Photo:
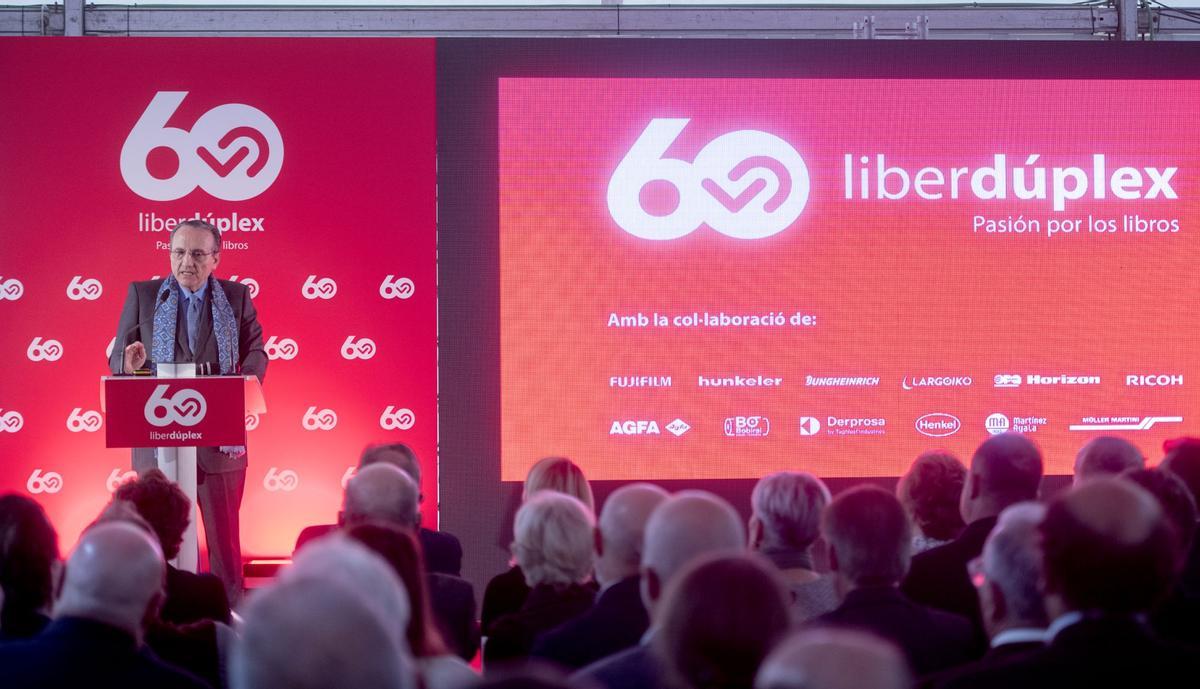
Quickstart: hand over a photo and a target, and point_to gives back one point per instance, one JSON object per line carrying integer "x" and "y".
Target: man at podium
{"x": 193, "y": 317}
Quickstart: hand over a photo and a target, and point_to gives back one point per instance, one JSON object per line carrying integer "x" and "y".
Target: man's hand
{"x": 135, "y": 357}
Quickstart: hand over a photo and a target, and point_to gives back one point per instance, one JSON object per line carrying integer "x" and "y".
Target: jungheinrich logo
{"x": 841, "y": 381}
{"x": 747, "y": 427}
{"x": 79, "y": 288}
{"x": 234, "y": 151}
{"x": 186, "y": 407}
{"x": 915, "y": 382}
{"x": 938, "y": 425}
{"x": 745, "y": 184}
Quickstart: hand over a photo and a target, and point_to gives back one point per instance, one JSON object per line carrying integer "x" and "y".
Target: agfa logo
{"x": 393, "y": 418}
{"x": 362, "y": 348}
{"x": 250, "y": 283}
{"x": 323, "y": 420}
{"x": 393, "y": 288}
{"x": 80, "y": 421}
{"x": 48, "y": 350}
{"x": 186, "y": 407}
{"x": 48, "y": 482}
{"x": 745, "y": 184}
{"x": 89, "y": 289}
{"x": 234, "y": 151}
{"x": 281, "y": 348}
{"x": 324, "y": 288}
{"x": 116, "y": 477}
{"x": 634, "y": 427}
{"x": 11, "y": 421}
{"x": 678, "y": 427}
{"x": 285, "y": 480}
{"x": 11, "y": 289}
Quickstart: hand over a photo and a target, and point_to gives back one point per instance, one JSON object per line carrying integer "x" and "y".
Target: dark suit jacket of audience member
{"x": 443, "y": 552}
{"x": 194, "y": 597}
{"x": 616, "y": 622}
{"x": 453, "y": 603}
{"x": 633, "y": 668}
{"x": 1113, "y": 653}
{"x": 75, "y": 652}
{"x": 997, "y": 655}
{"x": 932, "y": 640}
{"x": 25, "y": 626}
{"x": 511, "y": 637}
{"x": 503, "y": 595}
{"x": 190, "y": 647}
{"x": 938, "y": 577}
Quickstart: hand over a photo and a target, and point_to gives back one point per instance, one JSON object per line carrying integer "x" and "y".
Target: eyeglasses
{"x": 197, "y": 255}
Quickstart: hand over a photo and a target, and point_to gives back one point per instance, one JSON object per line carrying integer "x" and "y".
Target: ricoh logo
{"x": 938, "y": 425}
{"x": 323, "y": 420}
{"x": 747, "y": 427}
{"x": 913, "y": 382}
{"x": 396, "y": 288}
{"x": 634, "y": 427}
{"x": 1161, "y": 380}
{"x": 116, "y": 477}
{"x": 323, "y": 288}
{"x": 11, "y": 421}
{"x": 361, "y": 348}
{"x": 11, "y": 289}
{"x": 394, "y": 418}
{"x": 745, "y": 184}
{"x": 80, "y": 421}
{"x": 44, "y": 482}
{"x": 186, "y": 407}
{"x": 285, "y": 480}
{"x": 79, "y": 288}
{"x": 234, "y": 151}
{"x": 250, "y": 283}
{"x": 281, "y": 348}
{"x": 47, "y": 350}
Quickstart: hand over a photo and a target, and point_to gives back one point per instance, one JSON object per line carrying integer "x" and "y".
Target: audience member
{"x": 869, "y": 539}
{"x": 618, "y": 619}
{"x": 834, "y": 659}
{"x": 682, "y": 528}
{"x": 506, "y": 592}
{"x": 553, "y": 535}
{"x": 112, "y": 586}
{"x": 1006, "y": 469}
{"x": 29, "y": 567}
{"x": 164, "y": 505}
{"x": 1106, "y": 456}
{"x": 930, "y": 492}
{"x": 399, "y": 547}
{"x": 785, "y": 521}
{"x": 1108, "y": 558}
{"x": 1183, "y": 460}
{"x": 720, "y": 617}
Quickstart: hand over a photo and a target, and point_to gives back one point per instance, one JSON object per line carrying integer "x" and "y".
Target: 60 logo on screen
{"x": 744, "y": 184}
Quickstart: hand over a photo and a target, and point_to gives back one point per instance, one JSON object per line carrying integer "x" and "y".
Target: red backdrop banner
{"x": 316, "y": 160}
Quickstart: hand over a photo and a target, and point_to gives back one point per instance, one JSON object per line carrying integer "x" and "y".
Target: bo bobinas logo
{"x": 744, "y": 184}
{"x": 234, "y": 151}
{"x": 186, "y": 407}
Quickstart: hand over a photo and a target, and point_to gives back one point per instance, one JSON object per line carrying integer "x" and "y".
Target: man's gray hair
{"x": 398, "y": 454}
{"x": 687, "y": 525}
{"x": 1012, "y": 560}
{"x": 553, "y": 539}
{"x": 196, "y": 224}
{"x": 381, "y": 491}
{"x": 1107, "y": 456}
{"x": 789, "y": 506}
{"x": 834, "y": 659}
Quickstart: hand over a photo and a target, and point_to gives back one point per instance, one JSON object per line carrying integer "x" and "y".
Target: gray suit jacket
{"x": 139, "y": 311}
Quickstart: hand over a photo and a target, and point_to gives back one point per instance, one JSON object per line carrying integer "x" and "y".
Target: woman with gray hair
{"x": 553, "y": 546}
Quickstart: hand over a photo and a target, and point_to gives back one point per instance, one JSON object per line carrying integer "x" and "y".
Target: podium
{"x": 176, "y": 412}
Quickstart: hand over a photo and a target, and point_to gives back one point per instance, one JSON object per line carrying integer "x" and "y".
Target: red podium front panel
{"x": 174, "y": 412}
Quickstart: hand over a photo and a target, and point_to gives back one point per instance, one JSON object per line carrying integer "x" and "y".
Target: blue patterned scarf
{"x": 224, "y": 325}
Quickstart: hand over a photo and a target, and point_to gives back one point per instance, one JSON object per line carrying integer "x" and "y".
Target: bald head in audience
{"x": 834, "y": 659}
{"x": 1005, "y": 469}
{"x": 115, "y": 576}
{"x": 1106, "y": 456}
{"x": 620, "y": 531}
{"x": 381, "y": 491}
{"x": 1010, "y": 595}
{"x": 685, "y": 526}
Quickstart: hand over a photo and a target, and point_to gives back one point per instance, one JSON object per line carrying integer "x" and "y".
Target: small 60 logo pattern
{"x": 44, "y": 482}
{"x": 323, "y": 288}
{"x": 116, "y": 477}
{"x": 361, "y": 348}
{"x": 11, "y": 289}
{"x": 44, "y": 350}
{"x": 284, "y": 480}
{"x": 250, "y": 283}
{"x": 393, "y": 418}
{"x": 80, "y": 421}
{"x": 323, "y": 420}
{"x": 79, "y": 288}
{"x": 11, "y": 421}
{"x": 281, "y": 348}
{"x": 393, "y": 288}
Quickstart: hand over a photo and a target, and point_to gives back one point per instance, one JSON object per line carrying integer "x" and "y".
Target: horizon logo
{"x": 936, "y": 382}
{"x": 250, "y": 283}
{"x": 635, "y": 427}
{"x": 281, "y": 348}
{"x": 324, "y": 288}
{"x": 362, "y": 348}
{"x": 116, "y": 477}
{"x": 80, "y": 421}
{"x": 186, "y": 407}
{"x": 48, "y": 482}
{"x": 996, "y": 424}
{"x": 234, "y": 152}
{"x": 48, "y": 350}
{"x": 938, "y": 425}
{"x": 11, "y": 289}
{"x": 286, "y": 480}
{"x": 744, "y": 184}
{"x": 397, "y": 418}
{"x": 11, "y": 421}
{"x": 393, "y": 288}
{"x": 323, "y": 420}
{"x": 1154, "y": 381}
{"x": 1034, "y": 379}
{"x": 89, "y": 289}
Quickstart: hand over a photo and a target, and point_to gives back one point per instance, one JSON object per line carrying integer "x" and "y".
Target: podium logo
{"x": 281, "y": 348}
{"x": 117, "y": 477}
{"x": 234, "y": 151}
{"x": 251, "y": 421}
{"x": 89, "y": 289}
{"x": 393, "y": 288}
{"x": 11, "y": 421}
{"x": 11, "y": 289}
{"x": 250, "y": 283}
{"x": 48, "y": 482}
{"x": 79, "y": 421}
{"x": 186, "y": 407}
{"x": 285, "y": 480}
{"x": 49, "y": 350}
{"x": 745, "y": 184}
{"x": 393, "y": 418}
{"x": 362, "y": 348}
{"x": 323, "y": 288}
{"x": 323, "y": 420}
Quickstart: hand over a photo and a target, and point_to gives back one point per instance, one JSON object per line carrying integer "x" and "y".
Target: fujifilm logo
{"x": 1154, "y": 381}
{"x": 639, "y": 381}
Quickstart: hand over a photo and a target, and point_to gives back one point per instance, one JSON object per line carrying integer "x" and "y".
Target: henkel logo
{"x": 11, "y": 289}
{"x": 277, "y": 480}
{"x": 323, "y": 288}
{"x": 11, "y": 421}
{"x": 234, "y": 152}
{"x": 48, "y": 350}
{"x": 938, "y": 425}
{"x": 1006, "y": 380}
{"x": 281, "y": 348}
{"x": 746, "y": 184}
{"x": 80, "y": 421}
{"x": 323, "y": 420}
{"x": 747, "y": 427}
{"x": 634, "y": 427}
{"x": 810, "y": 425}
{"x": 394, "y": 418}
{"x": 186, "y": 407}
{"x": 362, "y": 348}
{"x": 1161, "y": 380}
{"x": 996, "y": 424}
{"x": 251, "y": 421}
{"x": 48, "y": 482}
{"x": 914, "y": 382}
{"x": 250, "y": 283}
{"x": 116, "y": 477}
{"x": 79, "y": 288}
{"x": 393, "y": 288}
